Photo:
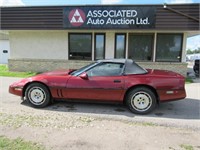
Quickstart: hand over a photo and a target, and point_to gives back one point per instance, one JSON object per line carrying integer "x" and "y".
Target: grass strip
{"x": 18, "y": 144}
{"x": 6, "y": 73}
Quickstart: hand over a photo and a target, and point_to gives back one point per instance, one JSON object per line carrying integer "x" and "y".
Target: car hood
{"x": 43, "y": 77}
{"x": 57, "y": 73}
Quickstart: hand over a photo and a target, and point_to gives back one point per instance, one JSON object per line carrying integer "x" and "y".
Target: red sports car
{"x": 116, "y": 80}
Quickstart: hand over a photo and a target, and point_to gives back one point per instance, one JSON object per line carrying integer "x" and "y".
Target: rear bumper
{"x": 171, "y": 95}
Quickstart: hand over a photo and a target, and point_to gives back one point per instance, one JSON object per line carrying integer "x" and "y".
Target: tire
{"x": 197, "y": 73}
{"x": 38, "y": 95}
{"x": 141, "y": 100}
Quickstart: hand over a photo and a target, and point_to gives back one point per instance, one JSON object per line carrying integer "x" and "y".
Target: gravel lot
{"x": 67, "y": 125}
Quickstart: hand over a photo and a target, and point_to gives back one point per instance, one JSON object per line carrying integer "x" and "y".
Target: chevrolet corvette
{"x": 115, "y": 80}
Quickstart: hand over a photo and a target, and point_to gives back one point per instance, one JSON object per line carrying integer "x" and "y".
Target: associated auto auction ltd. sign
{"x": 107, "y": 17}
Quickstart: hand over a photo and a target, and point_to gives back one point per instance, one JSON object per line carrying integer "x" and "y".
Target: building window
{"x": 169, "y": 47}
{"x": 99, "y": 46}
{"x": 120, "y": 45}
{"x": 141, "y": 47}
{"x": 80, "y": 46}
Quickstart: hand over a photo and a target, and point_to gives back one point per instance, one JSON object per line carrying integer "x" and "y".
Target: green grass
{"x": 18, "y": 144}
{"x": 188, "y": 80}
{"x": 6, "y": 73}
{"x": 186, "y": 147}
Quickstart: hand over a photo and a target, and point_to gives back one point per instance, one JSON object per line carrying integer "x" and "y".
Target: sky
{"x": 192, "y": 42}
{"x": 83, "y": 2}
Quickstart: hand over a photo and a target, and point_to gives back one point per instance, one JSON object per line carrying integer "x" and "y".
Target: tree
{"x": 189, "y": 51}
{"x": 196, "y": 51}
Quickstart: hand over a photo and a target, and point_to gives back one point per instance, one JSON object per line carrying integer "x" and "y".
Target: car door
{"x": 103, "y": 82}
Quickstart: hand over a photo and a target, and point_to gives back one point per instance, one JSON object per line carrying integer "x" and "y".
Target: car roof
{"x": 130, "y": 66}
{"x": 113, "y": 60}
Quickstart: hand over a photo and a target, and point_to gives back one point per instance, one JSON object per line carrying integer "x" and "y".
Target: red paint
{"x": 97, "y": 88}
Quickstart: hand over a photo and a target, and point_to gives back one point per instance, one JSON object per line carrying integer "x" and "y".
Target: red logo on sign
{"x": 76, "y": 17}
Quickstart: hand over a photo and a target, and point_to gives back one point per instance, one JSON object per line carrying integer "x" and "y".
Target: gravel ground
{"x": 67, "y": 125}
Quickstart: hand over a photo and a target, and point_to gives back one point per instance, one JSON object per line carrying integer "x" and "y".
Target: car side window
{"x": 106, "y": 69}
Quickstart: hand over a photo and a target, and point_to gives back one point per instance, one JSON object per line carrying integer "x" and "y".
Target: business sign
{"x": 109, "y": 17}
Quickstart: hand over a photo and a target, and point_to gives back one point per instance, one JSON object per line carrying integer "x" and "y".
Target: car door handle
{"x": 117, "y": 81}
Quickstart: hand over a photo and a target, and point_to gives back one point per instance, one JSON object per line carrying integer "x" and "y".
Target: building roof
{"x": 179, "y": 17}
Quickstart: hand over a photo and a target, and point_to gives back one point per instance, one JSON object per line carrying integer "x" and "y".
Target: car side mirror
{"x": 84, "y": 76}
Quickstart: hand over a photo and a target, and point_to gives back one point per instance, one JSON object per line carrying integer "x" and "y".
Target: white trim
{"x": 67, "y": 42}
{"x": 127, "y": 38}
{"x": 154, "y": 46}
{"x": 93, "y": 44}
{"x": 183, "y": 55}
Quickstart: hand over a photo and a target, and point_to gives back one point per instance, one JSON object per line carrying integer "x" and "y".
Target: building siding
{"x": 39, "y": 44}
{"x": 169, "y": 18}
{"x": 39, "y": 41}
{"x": 51, "y": 17}
{"x": 42, "y": 65}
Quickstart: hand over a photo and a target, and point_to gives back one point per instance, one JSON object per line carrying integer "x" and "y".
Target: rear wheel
{"x": 38, "y": 95}
{"x": 141, "y": 100}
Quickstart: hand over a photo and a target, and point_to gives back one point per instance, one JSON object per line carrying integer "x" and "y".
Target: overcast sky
{"x": 192, "y": 42}
{"x": 75, "y": 2}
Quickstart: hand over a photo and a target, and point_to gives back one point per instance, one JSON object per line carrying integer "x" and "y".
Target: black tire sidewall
{"x": 48, "y": 96}
{"x": 132, "y": 92}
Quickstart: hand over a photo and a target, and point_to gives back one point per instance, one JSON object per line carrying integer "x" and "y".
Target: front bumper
{"x": 16, "y": 90}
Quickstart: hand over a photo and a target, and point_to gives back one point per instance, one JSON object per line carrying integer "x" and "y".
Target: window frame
{"x": 105, "y": 63}
{"x": 125, "y": 40}
{"x": 75, "y": 33}
{"x": 181, "y": 47}
{"x": 104, "y": 44}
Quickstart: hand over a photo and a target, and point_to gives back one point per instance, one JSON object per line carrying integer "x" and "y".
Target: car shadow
{"x": 183, "y": 109}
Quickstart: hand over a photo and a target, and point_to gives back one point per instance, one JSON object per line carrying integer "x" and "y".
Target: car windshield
{"x": 83, "y": 69}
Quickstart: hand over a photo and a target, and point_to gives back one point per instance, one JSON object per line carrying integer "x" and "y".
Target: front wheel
{"x": 141, "y": 100}
{"x": 37, "y": 95}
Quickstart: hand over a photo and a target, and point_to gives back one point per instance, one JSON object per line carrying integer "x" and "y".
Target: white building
{"x": 52, "y": 37}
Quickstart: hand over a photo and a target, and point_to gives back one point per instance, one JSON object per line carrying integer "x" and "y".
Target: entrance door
{"x": 4, "y": 51}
